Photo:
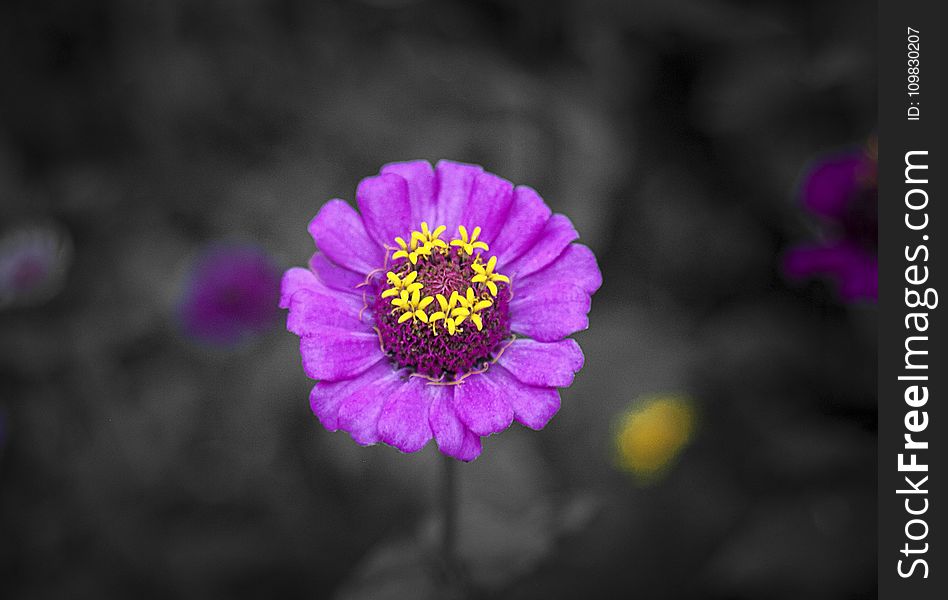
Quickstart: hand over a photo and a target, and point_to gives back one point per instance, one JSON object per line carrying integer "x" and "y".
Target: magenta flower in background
{"x": 442, "y": 310}
{"x": 33, "y": 264}
{"x": 231, "y": 293}
{"x": 842, "y": 192}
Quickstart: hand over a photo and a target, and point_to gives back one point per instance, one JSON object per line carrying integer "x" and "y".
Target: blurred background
{"x": 140, "y": 457}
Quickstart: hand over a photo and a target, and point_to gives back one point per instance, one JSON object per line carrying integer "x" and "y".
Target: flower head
{"x": 442, "y": 310}
{"x": 842, "y": 192}
{"x": 652, "y": 434}
{"x": 33, "y": 263}
{"x": 229, "y": 295}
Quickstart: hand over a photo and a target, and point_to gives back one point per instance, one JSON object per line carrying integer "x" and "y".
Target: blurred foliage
{"x": 672, "y": 134}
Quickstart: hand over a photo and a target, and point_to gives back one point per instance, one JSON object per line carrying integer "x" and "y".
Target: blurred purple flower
{"x": 412, "y": 337}
{"x": 842, "y": 192}
{"x": 231, "y": 293}
{"x": 33, "y": 263}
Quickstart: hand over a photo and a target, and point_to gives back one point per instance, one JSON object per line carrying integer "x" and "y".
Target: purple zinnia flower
{"x": 33, "y": 263}
{"x": 230, "y": 294}
{"x": 442, "y": 310}
{"x": 842, "y": 191}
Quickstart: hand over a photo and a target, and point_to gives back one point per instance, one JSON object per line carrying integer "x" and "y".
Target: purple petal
{"x": 339, "y": 233}
{"x": 452, "y": 437}
{"x": 809, "y": 260}
{"x": 528, "y": 214}
{"x": 550, "y": 313}
{"x": 861, "y": 283}
{"x": 421, "y": 189}
{"x": 294, "y": 280}
{"x": 482, "y": 405}
{"x": 855, "y": 270}
{"x": 335, "y": 354}
{"x": 557, "y": 233}
{"x": 455, "y": 184}
{"x": 231, "y": 292}
{"x": 543, "y": 365}
{"x": 489, "y": 205}
{"x": 386, "y": 210}
{"x": 576, "y": 265}
{"x": 334, "y": 276}
{"x": 533, "y": 406}
{"x": 327, "y": 396}
{"x": 831, "y": 184}
{"x": 447, "y": 428}
{"x": 470, "y": 447}
{"x": 311, "y": 310}
{"x": 404, "y": 420}
{"x": 359, "y": 413}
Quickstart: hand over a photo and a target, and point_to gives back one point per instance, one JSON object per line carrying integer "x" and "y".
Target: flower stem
{"x": 449, "y": 512}
{"x": 457, "y": 586}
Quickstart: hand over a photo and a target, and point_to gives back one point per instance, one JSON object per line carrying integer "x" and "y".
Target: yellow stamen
{"x": 398, "y": 284}
{"x": 412, "y": 305}
{"x": 430, "y": 238}
{"x": 447, "y": 312}
{"x": 469, "y": 244}
{"x": 486, "y": 275}
{"x": 419, "y": 246}
{"x": 406, "y": 291}
{"x": 470, "y": 307}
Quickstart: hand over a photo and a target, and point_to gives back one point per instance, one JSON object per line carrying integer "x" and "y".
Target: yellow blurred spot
{"x": 652, "y": 434}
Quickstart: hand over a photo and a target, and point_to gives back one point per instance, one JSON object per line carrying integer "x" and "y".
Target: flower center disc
{"x": 442, "y": 312}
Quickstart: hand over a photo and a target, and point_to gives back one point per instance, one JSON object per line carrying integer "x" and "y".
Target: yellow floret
{"x": 412, "y": 305}
{"x": 469, "y": 244}
{"x": 486, "y": 275}
{"x": 470, "y": 307}
{"x": 398, "y": 284}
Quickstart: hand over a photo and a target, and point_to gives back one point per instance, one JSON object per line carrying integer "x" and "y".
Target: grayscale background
{"x": 136, "y": 463}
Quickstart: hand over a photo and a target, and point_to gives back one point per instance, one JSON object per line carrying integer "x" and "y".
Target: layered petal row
{"x": 332, "y": 307}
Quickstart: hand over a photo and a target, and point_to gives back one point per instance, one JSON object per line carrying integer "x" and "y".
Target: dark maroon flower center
{"x": 427, "y": 348}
